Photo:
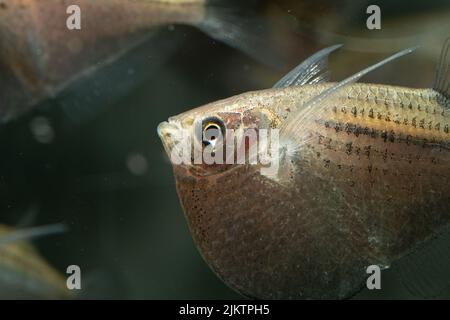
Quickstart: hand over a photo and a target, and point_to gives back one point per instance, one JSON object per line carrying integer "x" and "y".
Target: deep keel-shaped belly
{"x": 268, "y": 242}
{"x": 371, "y": 184}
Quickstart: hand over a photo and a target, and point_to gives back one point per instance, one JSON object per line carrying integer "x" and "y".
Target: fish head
{"x": 228, "y": 206}
{"x": 211, "y": 140}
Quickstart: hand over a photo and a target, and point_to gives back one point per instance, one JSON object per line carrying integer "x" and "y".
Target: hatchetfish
{"x": 362, "y": 178}
{"x": 40, "y": 56}
{"x": 24, "y": 274}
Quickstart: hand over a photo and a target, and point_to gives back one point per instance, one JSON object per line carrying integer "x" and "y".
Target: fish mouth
{"x": 167, "y": 132}
{"x": 162, "y": 129}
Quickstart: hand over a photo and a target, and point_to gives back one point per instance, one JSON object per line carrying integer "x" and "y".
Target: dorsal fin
{"x": 292, "y": 133}
{"x": 312, "y": 70}
{"x": 442, "y": 78}
{"x": 292, "y": 127}
{"x": 29, "y": 233}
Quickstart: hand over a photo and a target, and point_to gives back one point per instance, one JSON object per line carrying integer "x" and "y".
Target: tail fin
{"x": 30, "y": 233}
{"x": 242, "y": 29}
{"x": 442, "y": 80}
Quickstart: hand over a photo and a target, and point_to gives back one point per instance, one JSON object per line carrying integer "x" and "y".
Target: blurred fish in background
{"x": 328, "y": 22}
{"x": 24, "y": 274}
{"x": 40, "y": 56}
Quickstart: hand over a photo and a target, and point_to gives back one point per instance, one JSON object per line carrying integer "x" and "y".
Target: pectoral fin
{"x": 30, "y": 233}
{"x": 292, "y": 127}
{"x": 292, "y": 133}
{"x": 442, "y": 78}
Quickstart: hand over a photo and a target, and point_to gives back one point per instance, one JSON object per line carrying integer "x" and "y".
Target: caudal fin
{"x": 242, "y": 29}
{"x": 424, "y": 271}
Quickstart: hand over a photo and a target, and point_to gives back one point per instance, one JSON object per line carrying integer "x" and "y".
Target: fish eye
{"x": 213, "y": 130}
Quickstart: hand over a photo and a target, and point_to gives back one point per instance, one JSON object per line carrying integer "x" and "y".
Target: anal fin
{"x": 425, "y": 272}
